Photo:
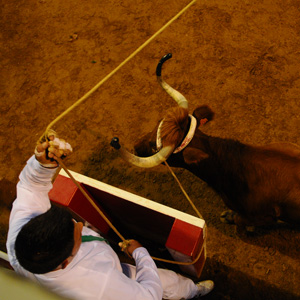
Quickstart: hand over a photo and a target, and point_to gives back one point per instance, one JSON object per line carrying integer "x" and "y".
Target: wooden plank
{"x": 153, "y": 224}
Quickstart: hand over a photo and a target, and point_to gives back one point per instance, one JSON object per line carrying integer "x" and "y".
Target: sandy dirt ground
{"x": 239, "y": 57}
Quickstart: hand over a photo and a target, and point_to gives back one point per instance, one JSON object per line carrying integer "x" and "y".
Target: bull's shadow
{"x": 281, "y": 237}
{"x": 235, "y": 285}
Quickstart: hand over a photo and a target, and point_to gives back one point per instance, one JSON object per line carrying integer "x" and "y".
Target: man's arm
{"x": 146, "y": 272}
{"x": 32, "y": 192}
{"x": 141, "y": 283}
{"x": 32, "y": 200}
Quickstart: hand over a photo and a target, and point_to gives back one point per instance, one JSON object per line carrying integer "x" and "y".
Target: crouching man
{"x": 47, "y": 245}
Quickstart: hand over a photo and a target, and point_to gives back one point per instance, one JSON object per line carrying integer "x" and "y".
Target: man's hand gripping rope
{"x": 128, "y": 246}
{"x": 50, "y": 148}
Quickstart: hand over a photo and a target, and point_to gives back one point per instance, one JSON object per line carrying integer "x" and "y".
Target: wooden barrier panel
{"x": 164, "y": 231}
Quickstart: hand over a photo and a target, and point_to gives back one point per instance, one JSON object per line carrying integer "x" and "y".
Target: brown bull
{"x": 259, "y": 184}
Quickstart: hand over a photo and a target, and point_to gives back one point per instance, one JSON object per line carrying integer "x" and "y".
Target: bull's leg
{"x": 232, "y": 217}
{"x": 228, "y": 216}
{"x": 255, "y": 220}
{"x": 243, "y": 224}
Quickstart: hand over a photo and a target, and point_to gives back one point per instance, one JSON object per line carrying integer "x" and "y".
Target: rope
{"x": 90, "y": 92}
{"x": 184, "y": 192}
{"x": 90, "y": 200}
{"x": 59, "y": 160}
{"x": 182, "y": 263}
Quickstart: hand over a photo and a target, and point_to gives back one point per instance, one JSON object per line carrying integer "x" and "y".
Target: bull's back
{"x": 273, "y": 176}
{"x": 274, "y": 165}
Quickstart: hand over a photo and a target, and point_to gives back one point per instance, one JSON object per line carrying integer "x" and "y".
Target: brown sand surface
{"x": 239, "y": 57}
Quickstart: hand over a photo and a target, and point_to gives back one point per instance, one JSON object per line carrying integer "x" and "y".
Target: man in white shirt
{"x": 45, "y": 244}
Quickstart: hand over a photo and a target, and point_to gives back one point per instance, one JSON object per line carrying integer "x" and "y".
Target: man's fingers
{"x": 55, "y": 147}
{"x": 42, "y": 147}
{"x": 54, "y": 152}
{"x": 123, "y": 245}
{"x": 59, "y": 148}
{"x": 51, "y": 137}
{"x": 128, "y": 246}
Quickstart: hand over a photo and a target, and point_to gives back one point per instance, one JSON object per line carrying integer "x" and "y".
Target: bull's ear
{"x": 193, "y": 155}
{"x": 203, "y": 114}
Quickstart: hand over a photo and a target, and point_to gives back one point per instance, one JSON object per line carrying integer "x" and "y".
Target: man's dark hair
{"x": 46, "y": 241}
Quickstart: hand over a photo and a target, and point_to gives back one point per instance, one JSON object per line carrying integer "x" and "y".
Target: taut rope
{"x": 90, "y": 200}
{"x": 90, "y": 92}
{"x": 184, "y": 192}
{"x": 115, "y": 229}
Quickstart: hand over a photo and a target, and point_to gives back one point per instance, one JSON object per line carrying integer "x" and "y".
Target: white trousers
{"x": 174, "y": 285}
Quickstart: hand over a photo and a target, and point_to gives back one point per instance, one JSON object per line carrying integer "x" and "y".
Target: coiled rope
{"x": 89, "y": 93}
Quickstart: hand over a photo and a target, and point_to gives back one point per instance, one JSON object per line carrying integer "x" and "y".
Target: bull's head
{"x": 155, "y": 147}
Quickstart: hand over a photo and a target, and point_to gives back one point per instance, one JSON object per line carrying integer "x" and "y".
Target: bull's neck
{"x": 225, "y": 159}
{"x": 224, "y": 149}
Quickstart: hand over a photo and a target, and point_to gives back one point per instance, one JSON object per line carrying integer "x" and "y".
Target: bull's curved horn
{"x": 143, "y": 162}
{"x": 178, "y": 97}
